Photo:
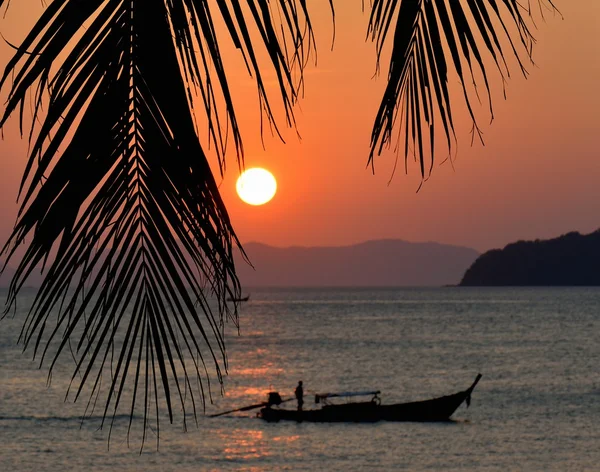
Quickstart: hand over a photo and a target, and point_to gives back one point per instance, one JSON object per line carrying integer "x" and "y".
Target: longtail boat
{"x": 241, "y": 299}
{"x": 435, "y": 409}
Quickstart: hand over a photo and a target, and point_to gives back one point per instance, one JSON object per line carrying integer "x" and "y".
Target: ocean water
{"x": 537, "y": 407}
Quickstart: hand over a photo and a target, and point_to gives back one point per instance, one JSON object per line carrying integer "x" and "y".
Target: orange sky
{"x": 538, "y": 175}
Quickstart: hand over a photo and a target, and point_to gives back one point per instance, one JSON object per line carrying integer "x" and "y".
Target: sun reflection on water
{"x": 251, "y": 444}
{"x": 244, "y": 444}
{"x": 268, "y": 369}
{"x": 286, "y": 439}
{"x": 257, "y": 392}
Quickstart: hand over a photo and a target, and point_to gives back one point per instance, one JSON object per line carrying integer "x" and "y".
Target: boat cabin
{"x": 324, "y": 397}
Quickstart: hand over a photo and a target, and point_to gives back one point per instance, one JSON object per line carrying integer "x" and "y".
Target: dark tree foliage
{"x": 118, "y": 203}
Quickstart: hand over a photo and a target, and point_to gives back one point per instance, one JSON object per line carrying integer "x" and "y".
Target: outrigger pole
{"x": 273, "y": 400}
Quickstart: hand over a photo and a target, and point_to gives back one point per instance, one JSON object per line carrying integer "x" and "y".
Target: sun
{"x": 256, "y": 186}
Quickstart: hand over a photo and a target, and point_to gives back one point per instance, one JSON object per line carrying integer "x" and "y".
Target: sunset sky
{"x": 538, "y": 175}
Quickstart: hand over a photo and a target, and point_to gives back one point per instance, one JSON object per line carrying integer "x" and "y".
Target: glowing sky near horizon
{"x": 537, "y": 176}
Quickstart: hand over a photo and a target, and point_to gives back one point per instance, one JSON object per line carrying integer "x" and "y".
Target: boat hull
{"x": 436, "y": 409}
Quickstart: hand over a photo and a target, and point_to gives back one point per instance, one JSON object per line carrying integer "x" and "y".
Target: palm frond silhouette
{"x": 127, "y": 220}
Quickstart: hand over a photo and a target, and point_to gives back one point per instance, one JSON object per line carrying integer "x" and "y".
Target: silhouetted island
{"x": 569, "y": 260}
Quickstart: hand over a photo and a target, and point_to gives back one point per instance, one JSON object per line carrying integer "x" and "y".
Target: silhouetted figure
{"x": 299, "y": 395}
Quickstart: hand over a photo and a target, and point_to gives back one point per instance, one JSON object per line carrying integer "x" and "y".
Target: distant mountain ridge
{"x": 386, "y": 262}
{"x": 572, "y": 259}
{"x": 35, "y": 279}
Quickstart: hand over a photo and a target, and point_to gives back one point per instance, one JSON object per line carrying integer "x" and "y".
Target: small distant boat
{"x": 242, "y": 299}
{"x": 435, "y": 409}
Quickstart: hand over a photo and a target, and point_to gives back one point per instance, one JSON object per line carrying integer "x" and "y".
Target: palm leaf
{"x": 127, "y": 220}
{"x": 475, "y": 33}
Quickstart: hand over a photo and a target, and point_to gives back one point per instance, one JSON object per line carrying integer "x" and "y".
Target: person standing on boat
{"x": 299, "y": 392}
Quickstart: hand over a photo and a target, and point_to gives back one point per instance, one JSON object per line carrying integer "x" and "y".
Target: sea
{"x": 536, "y": 408}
